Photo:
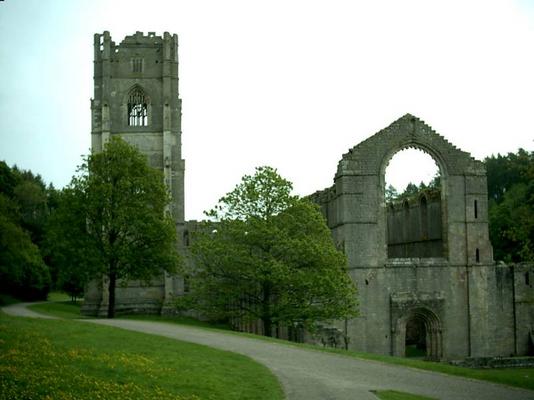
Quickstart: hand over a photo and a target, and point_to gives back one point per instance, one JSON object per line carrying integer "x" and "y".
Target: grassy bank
{"x": 64, "y": 359}
{"x": 62, "y": 309}
{"x": 519, "y": 377}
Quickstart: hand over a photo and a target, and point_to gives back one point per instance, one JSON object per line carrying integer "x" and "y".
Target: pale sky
{"x": 291, "y": 84}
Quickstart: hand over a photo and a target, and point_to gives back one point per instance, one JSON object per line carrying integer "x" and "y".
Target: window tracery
{"x": 137, "y": 108}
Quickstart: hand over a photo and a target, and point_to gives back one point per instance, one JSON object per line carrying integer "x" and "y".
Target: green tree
{"x": 23, "y": 273}
{"x": 391, "y": 193}
{"x": 269, "y": 256}
{"x": 505, "y": 171}
{"x": 410, "y": 191}
{"x": 72, "y": 256}
{"x": 32, "y": 201}
{"x": 511, "y": 205}
{"x": 512, "y": 224}
{"x": 8, "y": 179}
{"x": 112, "y": 220}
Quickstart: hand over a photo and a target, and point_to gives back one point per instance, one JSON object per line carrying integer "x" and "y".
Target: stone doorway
{"x": 418, "y": 333}
{"x": 415, "y": 342}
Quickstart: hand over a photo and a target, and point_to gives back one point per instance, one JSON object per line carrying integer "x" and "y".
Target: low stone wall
{"x": 495, "y": 362}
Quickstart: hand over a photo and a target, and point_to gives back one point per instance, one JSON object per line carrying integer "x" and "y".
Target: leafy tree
{"x": 512, "y": 224}
{"x": 505, "y": 171}
{"x": 23, "y": 273}
{"x": 71, "y": 256}
{"x": 8, "y": 180}
{"x": 411, "y": 190}
{"x": 31, "y": 198}
{"x": 435, "y": 183}
{"x": 511, "y": 205}
{"x": 391, "y": 193}
{"x": 112, "y": 221}
{"x": 269, "y": 256}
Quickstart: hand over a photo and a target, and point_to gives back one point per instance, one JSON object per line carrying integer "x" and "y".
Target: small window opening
{"x": 137, "y": 65}
{"x": 527, "y": 279}
{"x": 477, "y": 255}
{"x": 424, "y": 218}
{"x": 137, "y": 108}
{"x": 476, "y": 209}
{"x": 366, "y": 282}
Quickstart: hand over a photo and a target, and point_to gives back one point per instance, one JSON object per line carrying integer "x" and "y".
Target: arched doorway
{"x": 415, "y": 341}
{"x": 419, "y": 334}
{"x": 432, "y": 331}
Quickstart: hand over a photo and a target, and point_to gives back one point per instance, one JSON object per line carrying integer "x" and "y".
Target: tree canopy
{"x": 267, "y": 255}
{"x": 511, "y": 205}
{"x": 112, "y": 221}
{"x": 24, "y": 210}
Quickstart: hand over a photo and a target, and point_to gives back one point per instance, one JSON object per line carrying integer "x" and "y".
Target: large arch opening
{"x": 413, "y": 199}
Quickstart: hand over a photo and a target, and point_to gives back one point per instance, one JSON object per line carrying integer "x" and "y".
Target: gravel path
{"x": 312, "y": 375}
{"x": 22, "y": 310}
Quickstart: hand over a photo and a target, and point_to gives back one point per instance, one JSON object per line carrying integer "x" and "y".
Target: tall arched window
{"x": 137, "y": 108}
{"x": 424, "y": 218}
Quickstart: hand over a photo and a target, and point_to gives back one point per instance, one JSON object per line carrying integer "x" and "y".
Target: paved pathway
{"x": 312, "y": 375}
{"x": 22, "y": 310}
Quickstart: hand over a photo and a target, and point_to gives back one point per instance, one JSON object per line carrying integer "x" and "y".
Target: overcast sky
{"x": 291, "y": 84}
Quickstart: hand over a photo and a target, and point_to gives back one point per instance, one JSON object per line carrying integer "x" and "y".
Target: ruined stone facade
{"x": 425, "y": 265}
{"x": 427, "y": 262}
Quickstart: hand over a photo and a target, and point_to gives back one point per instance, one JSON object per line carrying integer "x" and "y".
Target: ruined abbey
{"x": 424, "y": 268}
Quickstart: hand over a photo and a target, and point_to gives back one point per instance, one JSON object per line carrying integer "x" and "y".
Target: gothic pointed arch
{"x": 138, "y": 106}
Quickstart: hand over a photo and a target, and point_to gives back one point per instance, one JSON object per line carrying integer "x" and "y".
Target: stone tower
{"x": 136, "y": 97}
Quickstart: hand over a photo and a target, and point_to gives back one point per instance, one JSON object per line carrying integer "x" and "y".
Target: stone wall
{"x": 414, "y": 227}
{"x": 440, "y": 272}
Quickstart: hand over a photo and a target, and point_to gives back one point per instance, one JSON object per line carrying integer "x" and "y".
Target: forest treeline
{"x": 26, "y": 204}
{"x": 28, "y": 269}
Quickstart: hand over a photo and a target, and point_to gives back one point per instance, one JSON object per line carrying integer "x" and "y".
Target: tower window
{"x": 476, "y": 209}
{"x": 137, "y": 108}
{"x": 137, "y": 65}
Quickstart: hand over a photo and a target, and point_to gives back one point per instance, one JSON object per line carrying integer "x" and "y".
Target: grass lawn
{"x": 520, "y": 377}
{"x": 65, "y": 359}
{"x": 394, "y": 395}
{"x": 62, "y": 309}
{"x": 58, "y": 296}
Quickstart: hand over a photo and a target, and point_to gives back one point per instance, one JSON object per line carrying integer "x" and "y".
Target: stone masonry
{"x": 136, "y": 97}
{"x": 445, "y": 278}
{"x": 426, "y": 263}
